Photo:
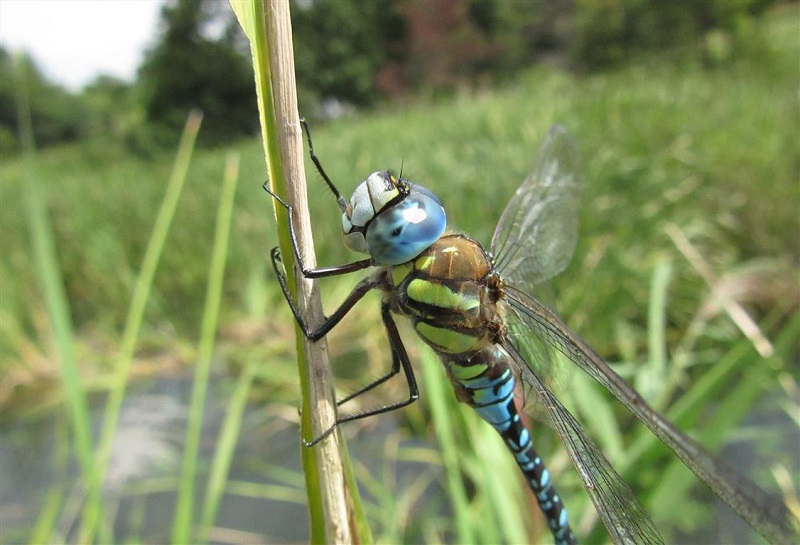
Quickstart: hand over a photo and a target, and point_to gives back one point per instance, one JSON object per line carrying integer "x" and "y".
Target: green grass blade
{"x": 501, "y": 485}
{"x": 651, "y": 380}
{"x": 357, "y": 508}
{"x": 437, "y": 391}
{"x": 51, "y": 282}
{"x": 182, "y": 527}
{"x": 133, "y": 323}
{"x": 225, "y": 449}
{"x": 44, "y": 531}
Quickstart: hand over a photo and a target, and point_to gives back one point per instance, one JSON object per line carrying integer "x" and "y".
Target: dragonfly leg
{"x": 375, "y": 383}
{"x": 396, "y": 366}
{"x": 319, "y": 272}
{"x": 339, "y": 199}
{"x": 399, "y": 361}
{"x": 358, "y": 292}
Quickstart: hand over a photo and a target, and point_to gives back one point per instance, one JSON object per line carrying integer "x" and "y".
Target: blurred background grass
{"x": 711, "y": 151}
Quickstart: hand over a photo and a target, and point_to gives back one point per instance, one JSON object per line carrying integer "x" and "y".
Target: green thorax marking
{"x": 444, "y": 291}
{"x": 430, "y": 292}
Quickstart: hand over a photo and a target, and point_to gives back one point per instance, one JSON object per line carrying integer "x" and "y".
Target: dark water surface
{"x": 145, "y": 466}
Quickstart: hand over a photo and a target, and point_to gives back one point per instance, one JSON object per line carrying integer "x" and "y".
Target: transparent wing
{"x": 539, "y": 358}
{"x": 766, "y": 514}
{"x": 625, "y": 518}
{"x": 536, "y": 235}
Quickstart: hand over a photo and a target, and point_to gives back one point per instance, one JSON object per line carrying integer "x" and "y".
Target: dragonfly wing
{"x": 766, "y": 514}
{"x": 625, "y": 518}
{"x": 536, "y": 235}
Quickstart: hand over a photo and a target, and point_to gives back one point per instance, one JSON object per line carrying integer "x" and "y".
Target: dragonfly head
{"x": 392, "y": 219}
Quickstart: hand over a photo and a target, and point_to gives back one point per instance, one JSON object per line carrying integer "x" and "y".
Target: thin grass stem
{"x": 182, "y": 526}
{"x": 51, "y": 283}
{"x": 133, "y": 323}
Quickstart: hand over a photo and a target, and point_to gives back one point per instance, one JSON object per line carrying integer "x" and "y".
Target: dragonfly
{"x": 474, "y": 309}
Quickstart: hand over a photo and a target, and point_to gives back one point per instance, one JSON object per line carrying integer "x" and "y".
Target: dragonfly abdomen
{"x": 450, "y": 295}
{"x": 485, "y": 382}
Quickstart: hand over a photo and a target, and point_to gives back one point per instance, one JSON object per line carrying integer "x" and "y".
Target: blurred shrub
{"x": 56, "y": 115}
{"x": 606, "y": 31}
{"x": 194, "y": 66}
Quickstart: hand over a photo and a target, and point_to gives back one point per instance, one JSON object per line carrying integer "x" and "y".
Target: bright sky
{"x": 73, "y": 41}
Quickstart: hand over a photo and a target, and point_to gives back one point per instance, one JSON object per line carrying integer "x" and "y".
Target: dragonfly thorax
{"x": 450, "y": 293}
{"x": 392, "y": 219}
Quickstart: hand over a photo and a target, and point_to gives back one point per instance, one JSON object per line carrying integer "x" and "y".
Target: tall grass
{"x": 710, "y": 151}
{"x": 51, "y": 286}
{"x": 92, "y": 523}
{"x": 182, "y": 528}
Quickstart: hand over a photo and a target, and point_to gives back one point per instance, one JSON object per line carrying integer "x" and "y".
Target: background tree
{"x": 341, "y": 46}
{"x": 195, "y": 63}
{"x": 363, "y": 53}
{"x": 56, "y": 115}
{"x": 112, "y": 107}
{"x": 608, "y": 31}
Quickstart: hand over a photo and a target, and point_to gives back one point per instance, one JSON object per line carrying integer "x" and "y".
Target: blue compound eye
{"x": 402, "y": 232}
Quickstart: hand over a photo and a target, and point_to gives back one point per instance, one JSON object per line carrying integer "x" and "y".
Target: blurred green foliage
{"x": 195, "y": 64}
{"x": 341, "y": 46}
{"x": 609, "y": 31}
{"x": 56, "y": 115}
{"x": 355, "y": 54}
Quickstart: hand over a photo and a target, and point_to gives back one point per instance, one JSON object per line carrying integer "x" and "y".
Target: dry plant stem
{"x": 321, "y": 401}
{"x": 734, "y": 310}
